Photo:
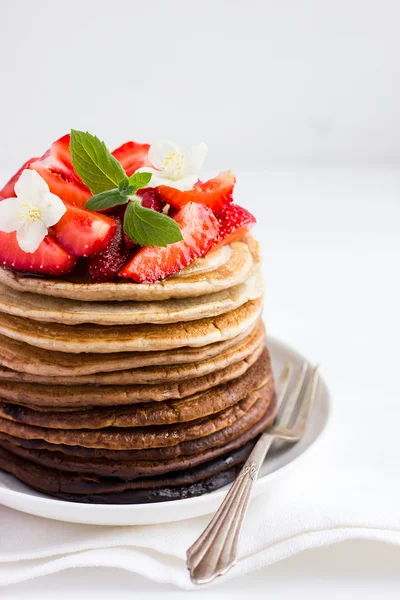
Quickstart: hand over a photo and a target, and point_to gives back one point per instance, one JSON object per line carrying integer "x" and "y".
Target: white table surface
{"x": 331, "y": 241}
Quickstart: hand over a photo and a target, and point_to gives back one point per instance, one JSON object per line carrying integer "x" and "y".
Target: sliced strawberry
{"x": 234, "y": 223}
{"x": 151, "y": 199}
{"x": 60, "y": 150}
{"x": 199, "y": 228}
{"x": 84, "y": 232}
{"x": 8, "y": 189}
{"x": 105, "y": 266}
{"x": 215, "y": 193}
{"x": 132, "y": 156}
{"x": 48, "y": 259}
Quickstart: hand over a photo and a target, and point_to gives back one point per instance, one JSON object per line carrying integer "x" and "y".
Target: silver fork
{"x": 215, "y": 551}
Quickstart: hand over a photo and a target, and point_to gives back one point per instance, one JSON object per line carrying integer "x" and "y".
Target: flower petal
{"x": 31, "y": 235}
{"x": 195, "y": 159}
{"x": 184, "y": 184}
{"x": 9, "y": 220}
{"x": 51, "y": 207}
{"x": 157, "y": 178}
{"x": 160, "y": 150}
{"x": 30, "y": 186}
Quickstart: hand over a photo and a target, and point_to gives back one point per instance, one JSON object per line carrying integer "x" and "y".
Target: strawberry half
{"x": 8, "y": 189}
{"x": 105, "y": 266}
{"x": 84, "y": 232}
{"x": 234, "y": 223}
{"x": 132, "y": 156}
{"x": 215, "y": 193}
{"x": 199, "y": 228}
{"x": 55, "y": 166}
{"x": 48, "y": 259}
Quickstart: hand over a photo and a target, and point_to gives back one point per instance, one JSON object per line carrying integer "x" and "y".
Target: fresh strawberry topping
{"x": 234, "y": 223}
{"x": 199, "y": 229}
{"x": 105, "y": 266}
{"x": 8, "y": 189}
{"x": 132, "y": 156}
{"x": 151, "y": 198}
{"x": 48, "y": 259}
{"x": 84, "y": 232}
{"x": 56, "y": 168}
{"x": 215, "y": 193}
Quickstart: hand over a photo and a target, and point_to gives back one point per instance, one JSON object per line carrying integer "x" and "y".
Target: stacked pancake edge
{"x": 132, "y": 393}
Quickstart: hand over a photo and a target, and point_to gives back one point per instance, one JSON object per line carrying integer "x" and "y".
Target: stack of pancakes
{"x": 128, "y": 393}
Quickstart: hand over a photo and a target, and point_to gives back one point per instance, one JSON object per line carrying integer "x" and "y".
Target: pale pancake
{"x": 73, "y": 312}
{"x": 202, "y": 281}
{"x": 122, "y": 338}
{"x": 157, "y": 374}
{"x": 19, "y": 356}
{"x": 67, "y": 397}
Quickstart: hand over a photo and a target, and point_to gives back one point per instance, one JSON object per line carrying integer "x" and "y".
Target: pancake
{"x": 199, "y": 282}
{"x": 137, "y": 438}
{"x": 107, "y": 490}
{"x": 76, "y": 397}
{"x": 73, "y": 312}
{"x": 122, "y": 338}
{"x": 156, "y": 374}
{"x": 254, "y": 420}
{"x": 142, "y": 468}
{"x": 18, "y": 356}
{"x": 153, "y": 413}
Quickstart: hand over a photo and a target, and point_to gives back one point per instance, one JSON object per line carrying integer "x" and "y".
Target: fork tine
{"x": 306, "y": 403}
{"x": 290, "y": 403}
{"x": 283, "y": 383}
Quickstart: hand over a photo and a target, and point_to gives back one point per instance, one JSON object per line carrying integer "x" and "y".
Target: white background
{"x": 305, "y": 92}
{"x": 261, "y": 81}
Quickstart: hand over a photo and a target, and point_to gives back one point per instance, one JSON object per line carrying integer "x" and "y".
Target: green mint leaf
{"x": 129, "y": 191}
{"x": 106, "y": 200}
{"x": 147, "y": 227}
{"x": 123, "y": 184}
{"x": 140, "y": 180}
{"x": 95, "y": 165}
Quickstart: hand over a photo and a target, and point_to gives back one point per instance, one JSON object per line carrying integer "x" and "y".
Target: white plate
{"x": 18, "y": 496}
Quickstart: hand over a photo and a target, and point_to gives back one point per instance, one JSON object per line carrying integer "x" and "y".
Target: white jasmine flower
{"x": 32, "y": 212}
{"x": 174, "y": 167}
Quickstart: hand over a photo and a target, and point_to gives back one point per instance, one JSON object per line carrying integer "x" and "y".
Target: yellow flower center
{"x": 172, "y": 164}
{"x": 28, "y": 212}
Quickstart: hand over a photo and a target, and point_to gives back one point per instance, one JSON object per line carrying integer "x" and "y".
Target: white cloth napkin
{"x": 341, "y": 490}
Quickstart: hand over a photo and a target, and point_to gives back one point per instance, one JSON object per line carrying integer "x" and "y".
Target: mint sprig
{"x": 147, "y": 227}
{"x": 106, "y": 179}
{"x": 94, "y": 163}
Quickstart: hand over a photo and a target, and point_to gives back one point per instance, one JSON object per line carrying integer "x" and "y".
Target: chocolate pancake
{"x": 110, "y": 490}
{"x": 217, "y": 439}
{"x": 89, "y": 396}
{"x": 138, "y": 415}
{"x": 145, "y": 375}
{"x": 138, "y": 437}
{"x": 18, "y": 356}
{"x": 262, "y": 413}
{"x": 121, "y": 338}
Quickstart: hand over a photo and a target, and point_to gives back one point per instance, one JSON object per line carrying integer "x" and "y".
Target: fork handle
{"x": 214, "y": 552}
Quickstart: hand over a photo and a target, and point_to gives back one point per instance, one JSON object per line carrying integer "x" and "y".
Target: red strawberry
{"x": 60, "y": 150}
{"x": 48, "y": 259}
{"x": 132, "y": 156}
{"x": 8, "y": 189}
{"x": 199, "y": 229}
{"x": 151, "y": 199}
{"x": 84, "y": 232}
{"x": 234, "y": 223}
{"x": 105, "y": 266}
{"x": 215, "y": 193}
